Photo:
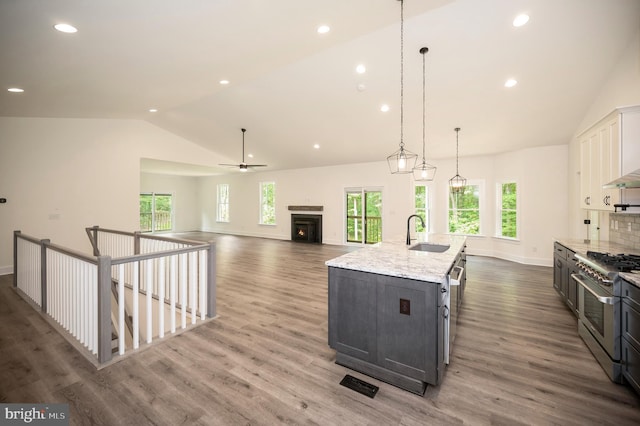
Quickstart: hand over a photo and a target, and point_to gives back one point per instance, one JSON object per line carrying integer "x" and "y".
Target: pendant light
{"x": 402, "y": 161}
{"x": 457, "y": 183}
{"x": 425, "y": 171}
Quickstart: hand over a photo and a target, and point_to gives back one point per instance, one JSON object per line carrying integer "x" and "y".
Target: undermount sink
{"x": 434, "y": 248}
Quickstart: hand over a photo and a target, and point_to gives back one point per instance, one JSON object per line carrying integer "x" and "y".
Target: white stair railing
{"x": 74, "y": 289}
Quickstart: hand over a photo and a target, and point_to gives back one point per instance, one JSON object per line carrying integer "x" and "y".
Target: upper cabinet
{"x": 608, "y": 150}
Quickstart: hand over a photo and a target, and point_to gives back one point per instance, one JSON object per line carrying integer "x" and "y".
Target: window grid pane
{"x": 267, "y": 203}
{"x": 464, "y": 210}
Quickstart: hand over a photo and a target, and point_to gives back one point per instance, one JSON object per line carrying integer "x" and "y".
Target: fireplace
{"x": 306, "y": 228}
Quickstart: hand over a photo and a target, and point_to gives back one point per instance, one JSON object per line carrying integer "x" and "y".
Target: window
{"x": 364, "y": 216}
{"x": 156, "y": 212}
{"x": 421, "y": 199}
{"x": 507, "y": 210}
{"x": 223, "y": 203}
{"x": 464, "y": 210}
{"x": 267, "y": 203}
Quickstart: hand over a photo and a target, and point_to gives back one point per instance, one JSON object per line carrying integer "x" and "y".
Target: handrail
{"x": 158, "y": 254}
{"x": 143, "y": 235}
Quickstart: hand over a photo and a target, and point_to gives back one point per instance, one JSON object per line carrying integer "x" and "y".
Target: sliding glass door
{"x": 363, "y": 215}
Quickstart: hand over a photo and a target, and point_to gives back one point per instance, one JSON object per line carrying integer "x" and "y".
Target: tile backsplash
{"x": 625, "y": 229}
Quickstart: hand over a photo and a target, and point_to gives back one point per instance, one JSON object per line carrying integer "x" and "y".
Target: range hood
{"x": 630, "y": 180}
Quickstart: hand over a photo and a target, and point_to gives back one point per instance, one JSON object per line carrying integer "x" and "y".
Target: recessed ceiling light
{"x": 153, "y": 110}
{"x": 316, "y": 146}
{"x": 323, "y": 29}
{"x": 510, "y": 83}
{"x": 250, "y": 155}
{"x": 15, "y": 90}
{"x": 384, "y": 108}
{"x": 65, "y": 28}
{"x": 361, "y": 69}
{"x": 224, "y": 82}
{"x": 520, "y": 20}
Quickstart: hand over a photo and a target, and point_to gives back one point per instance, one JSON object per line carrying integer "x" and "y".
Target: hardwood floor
{"x": 517, "y": 358}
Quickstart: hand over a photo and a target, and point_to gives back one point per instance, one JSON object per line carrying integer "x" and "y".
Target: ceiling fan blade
{"x": 229, "y": 165}
{"x": 257, "y": 165}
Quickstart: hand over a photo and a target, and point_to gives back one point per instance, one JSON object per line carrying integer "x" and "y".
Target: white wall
{"x": 62, "y": 175}
{"x": 184, "y": 191}
{"x": 323, "y": 186}
{"x": 541, "y": 175}
{"x": 622, "y": 88}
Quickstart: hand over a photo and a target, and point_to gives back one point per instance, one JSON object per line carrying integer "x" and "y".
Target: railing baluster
{"x": 193, "y": 269}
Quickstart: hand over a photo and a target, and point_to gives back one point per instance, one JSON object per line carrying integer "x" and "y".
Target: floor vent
{"x": 359, "y": 386}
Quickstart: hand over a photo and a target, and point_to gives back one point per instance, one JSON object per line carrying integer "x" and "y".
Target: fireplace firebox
{"x": 306, "y": 228}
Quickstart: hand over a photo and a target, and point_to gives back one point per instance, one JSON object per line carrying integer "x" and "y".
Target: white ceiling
{"x": 292, "y": 88}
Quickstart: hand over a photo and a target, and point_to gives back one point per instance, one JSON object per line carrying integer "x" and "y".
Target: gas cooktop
{"x": 618, "y": 262}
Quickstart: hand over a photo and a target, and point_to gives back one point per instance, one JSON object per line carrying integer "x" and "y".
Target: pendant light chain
{"x": 457, "y": 129}
{"x": 424, "y": 103}
{"x": 401, "y": 73}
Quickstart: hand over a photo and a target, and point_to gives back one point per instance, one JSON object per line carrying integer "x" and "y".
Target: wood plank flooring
{"x": 517, "y": 358}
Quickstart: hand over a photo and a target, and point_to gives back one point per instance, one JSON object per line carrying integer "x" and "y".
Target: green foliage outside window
{"x": 267, "y": 203}
{"x": 464, "y": 210}
{"x": 421, "y": 206}
{"x": 155, "y": 212}
{"x": 508, "y": 212}
{"x": 365, "y": 219}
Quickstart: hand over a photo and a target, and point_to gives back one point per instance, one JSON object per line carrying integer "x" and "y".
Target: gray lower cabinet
{"x": 387, "y": 327}
{"x": 564, "y": 264}
{"x": 631, "y": 334}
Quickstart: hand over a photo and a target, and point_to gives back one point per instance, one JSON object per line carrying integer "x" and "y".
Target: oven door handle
{"x": 607, "y": 300}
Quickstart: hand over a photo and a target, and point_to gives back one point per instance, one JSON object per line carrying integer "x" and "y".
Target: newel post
{"x": 136, "y": 242}
{"x": 211, "y": 280}
{"x": 15, "y": 258}
{"x": 104, "y": 309}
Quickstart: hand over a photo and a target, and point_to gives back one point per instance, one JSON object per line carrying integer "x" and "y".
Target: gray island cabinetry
{"x": 390, "y": 310}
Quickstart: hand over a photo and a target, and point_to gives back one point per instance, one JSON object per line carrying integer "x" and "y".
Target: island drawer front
{"x": 560, "y": 251}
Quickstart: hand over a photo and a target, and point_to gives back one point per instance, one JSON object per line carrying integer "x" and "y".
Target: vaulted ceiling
{"x": 292, "y": 88}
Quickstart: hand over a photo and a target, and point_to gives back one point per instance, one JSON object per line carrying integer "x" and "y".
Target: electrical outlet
{"x": 405, "y": 307}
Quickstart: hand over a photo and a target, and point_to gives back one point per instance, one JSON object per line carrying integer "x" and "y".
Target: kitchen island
{"x": 392, "y": 308}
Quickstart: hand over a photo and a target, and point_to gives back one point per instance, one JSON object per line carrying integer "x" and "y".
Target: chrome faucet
{"x": 409, "y": 220}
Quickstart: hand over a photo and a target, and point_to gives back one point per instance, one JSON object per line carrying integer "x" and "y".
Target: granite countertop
{"x": 579, "y": 246}
{"x": 633, "y": 278}
{"x": 394, "y": 258}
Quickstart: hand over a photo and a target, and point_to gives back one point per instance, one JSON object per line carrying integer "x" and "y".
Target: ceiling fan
{"x": 243, "y": 166}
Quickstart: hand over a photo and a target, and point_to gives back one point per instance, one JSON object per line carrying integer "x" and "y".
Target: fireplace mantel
{"x": 306, "y": 208}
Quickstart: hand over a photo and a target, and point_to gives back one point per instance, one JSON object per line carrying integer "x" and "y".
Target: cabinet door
{"x": 586, "y": 196}
{"x": 352, "y": 313}
{"x": 609, "y": 163}
{"x": 408, "y": 327}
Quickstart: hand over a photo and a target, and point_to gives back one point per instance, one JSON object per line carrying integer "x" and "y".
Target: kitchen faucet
{"x": 408, "y": 220}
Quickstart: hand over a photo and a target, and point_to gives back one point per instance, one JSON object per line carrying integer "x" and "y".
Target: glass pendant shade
{"x": 402, "y": 161}
{"x": 457, "y": 183}
{"x": 424, "y": 172}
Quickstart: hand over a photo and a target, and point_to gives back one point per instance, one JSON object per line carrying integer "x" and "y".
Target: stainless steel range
{"x": 599, "y": 305}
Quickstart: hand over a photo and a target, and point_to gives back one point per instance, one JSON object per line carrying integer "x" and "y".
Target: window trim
{"x": 218, "y": 203}
{"x": 498, "y": 215}
{"x": 480, "y": 183}
{"x": 429, "y": 201}
{"x": 153, "y": 195}
{"x": 260, "y": 213}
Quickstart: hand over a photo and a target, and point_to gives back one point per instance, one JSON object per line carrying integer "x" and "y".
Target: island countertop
{"x": 393, "y": 258}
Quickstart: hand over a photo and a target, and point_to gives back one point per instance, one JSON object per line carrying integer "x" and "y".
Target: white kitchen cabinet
{"x": 607, "y": 150}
